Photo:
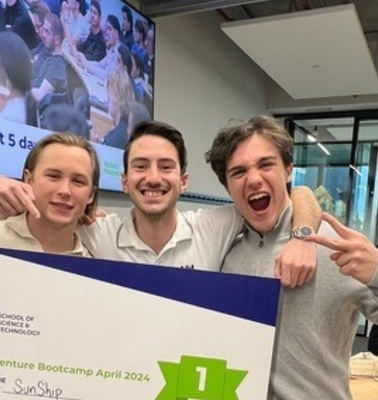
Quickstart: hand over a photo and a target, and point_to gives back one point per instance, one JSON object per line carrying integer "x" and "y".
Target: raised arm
{"x": 354, "y": 254}
{"x": 15, "y": 198}
{"x": 296, "y": 263}
{"x": 306, "y": 210}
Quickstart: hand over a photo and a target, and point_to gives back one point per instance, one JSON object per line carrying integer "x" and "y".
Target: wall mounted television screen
{"x": 85, "y": 66}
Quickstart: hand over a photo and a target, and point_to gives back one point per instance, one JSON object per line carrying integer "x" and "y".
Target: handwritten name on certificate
{"x": 83, "y": 329}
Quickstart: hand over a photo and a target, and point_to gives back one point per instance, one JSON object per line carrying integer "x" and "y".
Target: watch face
{"x": 305, "y": 231}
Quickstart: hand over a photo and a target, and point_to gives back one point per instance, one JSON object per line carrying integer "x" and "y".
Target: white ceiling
{"x": 310, "y": 54}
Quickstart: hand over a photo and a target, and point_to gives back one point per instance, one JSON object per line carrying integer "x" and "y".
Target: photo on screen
{"x": 85, "y": 66}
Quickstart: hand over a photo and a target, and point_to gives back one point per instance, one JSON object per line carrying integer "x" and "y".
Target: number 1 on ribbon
{"x": 202, "y": 378}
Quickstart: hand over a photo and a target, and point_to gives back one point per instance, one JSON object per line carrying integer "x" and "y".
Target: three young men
{"x": 155, "y": 232}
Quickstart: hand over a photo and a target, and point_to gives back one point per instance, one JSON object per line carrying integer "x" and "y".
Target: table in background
{"x": 364, "y": 388}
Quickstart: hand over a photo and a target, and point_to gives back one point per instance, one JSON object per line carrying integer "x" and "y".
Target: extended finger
{"x": 339, "y": 228}
{"x": 31, "y": 208}
{"x": 28, "y": 191}
{"x": 331, "y": 243}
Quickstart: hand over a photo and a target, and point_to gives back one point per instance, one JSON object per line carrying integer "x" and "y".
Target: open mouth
{"x": 259, "y": 202}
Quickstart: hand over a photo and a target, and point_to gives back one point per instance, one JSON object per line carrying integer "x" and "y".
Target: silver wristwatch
{"x": 302, "y": 232}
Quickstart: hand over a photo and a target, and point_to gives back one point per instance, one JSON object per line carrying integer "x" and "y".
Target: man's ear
{"x": 289, "y": 172}
{"x": 124, "y": 181}
{"x": 184, "y": 182}
{"x": 27, "y": 177}
{"x": 92, "y": 195}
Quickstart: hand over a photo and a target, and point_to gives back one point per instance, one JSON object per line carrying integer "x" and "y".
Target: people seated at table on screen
{"x": 75, "y": 23}
{"x": 54, "y": 6}
{"x": 120, "y": 98}
{"x": 15, "y": 78}
{"x": 140, "y": 34}
{"x": 65, "y": 118}
{"x": 112, "y": 33}
{"x": 138, "y": 113}
{"x": 18, "y": 19}
{"x": 38, "y": 11}
{"x": 149, "y": 61}
{"x": 51, "y": 78}
{"x": 126, "y": 60}
{"x": 93, "y": 47}
{"x": 127, "y": 34}
{"x": 61, "y": 65}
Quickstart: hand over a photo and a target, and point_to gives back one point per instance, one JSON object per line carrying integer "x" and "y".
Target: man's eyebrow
{"x": 79, "y": 175}
{"x": 268, "y": 158}
{"x": 243, "y": 166}
{"x": 51, "y": 169}
{"x": 167, "y": 159}
{"x": 139, "y": 159}
{"x": 146, "y": 159}
{"x": 235, "y": 168}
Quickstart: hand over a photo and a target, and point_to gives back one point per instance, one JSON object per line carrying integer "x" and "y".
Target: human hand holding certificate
{"x": 73, "y": 328}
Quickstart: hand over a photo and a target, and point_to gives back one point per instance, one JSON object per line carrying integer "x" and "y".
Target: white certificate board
{"x": 84, "y": 329}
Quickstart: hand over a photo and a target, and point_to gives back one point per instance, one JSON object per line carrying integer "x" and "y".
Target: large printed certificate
{"x": 83, "y": 329}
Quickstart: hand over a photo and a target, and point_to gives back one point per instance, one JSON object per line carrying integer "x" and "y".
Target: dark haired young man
{"x": 127, "y": 35}
{"x": 94, "y": 47}
{"x": 317, "y": 322}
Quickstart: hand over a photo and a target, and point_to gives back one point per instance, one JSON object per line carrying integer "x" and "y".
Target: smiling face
{"x": 256, "y": 180}
{"x": 154, "y": 179}
{"x": 62, "y": 184}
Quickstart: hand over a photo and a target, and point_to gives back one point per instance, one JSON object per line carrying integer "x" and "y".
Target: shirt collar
{"x": 127, "y": 236}
{"x": 19, "y": 225}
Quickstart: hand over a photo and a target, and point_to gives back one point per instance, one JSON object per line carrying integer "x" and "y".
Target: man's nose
{"x": 254, "y": 177}
{"x": 153, "y": 174}
{"x": 64, "y": 187}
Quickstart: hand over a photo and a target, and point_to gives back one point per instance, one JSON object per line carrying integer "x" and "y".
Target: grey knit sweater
{"x": 317, "y": 322}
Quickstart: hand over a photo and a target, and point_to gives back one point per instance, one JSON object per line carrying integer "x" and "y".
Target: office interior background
{"x": 312, "y": 63}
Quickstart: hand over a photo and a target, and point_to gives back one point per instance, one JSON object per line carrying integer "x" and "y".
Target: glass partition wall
{"x": 337, "y": 159}
{"x": 336, "y": 156}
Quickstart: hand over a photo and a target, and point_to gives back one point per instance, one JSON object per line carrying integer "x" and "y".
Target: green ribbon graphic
{"x": 200, "y": 379}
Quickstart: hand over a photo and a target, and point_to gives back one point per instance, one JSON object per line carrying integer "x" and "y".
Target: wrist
{"x": 302, "y": 232}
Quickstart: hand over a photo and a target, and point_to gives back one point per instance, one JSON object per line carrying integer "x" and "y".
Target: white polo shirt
{"x": 201, "y": 239}
{"x": 15, "y": 234}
